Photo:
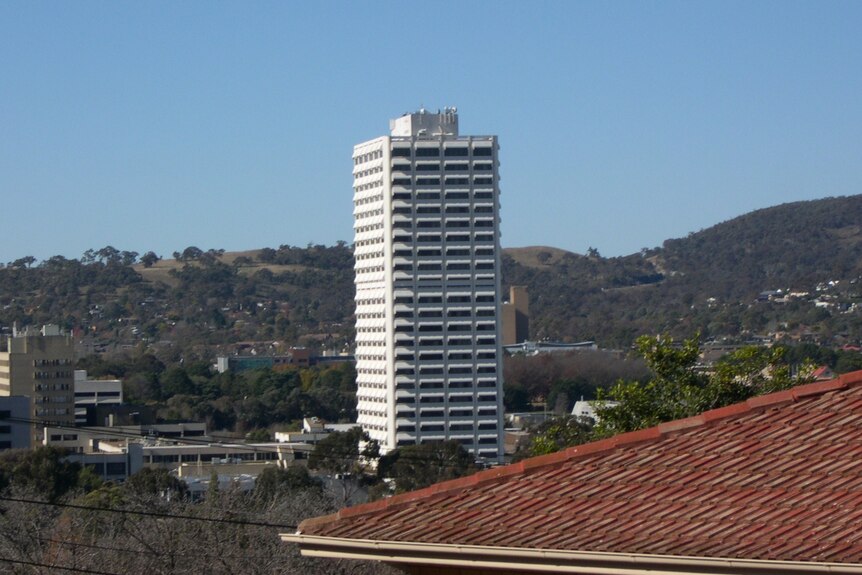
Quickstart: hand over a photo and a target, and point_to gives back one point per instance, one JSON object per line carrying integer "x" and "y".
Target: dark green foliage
{"x": 666, "y": 290}
{"x": 556, "y": 434}
{"x": 153, "y": 481}
{"x": 678, "y": 390}
{"x": 707, "y": 282}
{"x": 45, "y": 471}
{"x": 417, "y": 466}
{"x": 343, "y": 452}
{"x": 275, "y": 482}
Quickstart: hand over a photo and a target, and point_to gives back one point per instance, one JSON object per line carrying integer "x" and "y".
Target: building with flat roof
{"x": 427, "y": 250}
{"x": 38, "y": 364}
{"x": 94, "y": 392}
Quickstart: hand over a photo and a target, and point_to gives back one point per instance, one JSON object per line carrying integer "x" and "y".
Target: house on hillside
{"x": 771, "y": 485}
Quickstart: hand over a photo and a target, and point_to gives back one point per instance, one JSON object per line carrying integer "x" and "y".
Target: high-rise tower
{"x": 427, "y": 249}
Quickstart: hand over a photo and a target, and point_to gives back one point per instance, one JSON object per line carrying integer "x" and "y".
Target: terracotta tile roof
{"x": 778, "y": 477}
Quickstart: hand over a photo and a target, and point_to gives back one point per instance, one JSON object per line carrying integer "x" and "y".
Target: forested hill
{"x": 199, "y": 302}
{"x": 708, "y": 281}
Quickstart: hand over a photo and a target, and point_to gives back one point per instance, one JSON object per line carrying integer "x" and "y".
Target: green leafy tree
{"x": 275, "y": 482}
{"x": 46, "y": 471}
{"x": 678, "y": 389}
{"x": 155, "y": 481}
{"x": 340, "y": 452}
{"x": 417, "y": 466}
{"x": 556, "y": 434}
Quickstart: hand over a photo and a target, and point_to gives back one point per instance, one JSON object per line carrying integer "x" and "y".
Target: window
{"x": 460, "y": 370}
{"x": 400, "y": 152}
{"x": 482, "y": 151}
{"x": 456, "y": 167}
{"x": 455, "y": 152}
{"x": 428, "y": 152}
{"x": 430, "y": 299}
{"x": 428, "y": 167}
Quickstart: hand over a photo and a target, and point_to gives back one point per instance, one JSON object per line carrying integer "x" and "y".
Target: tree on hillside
{"x": 678, "y": 389}
{"x": 149, "y": 259}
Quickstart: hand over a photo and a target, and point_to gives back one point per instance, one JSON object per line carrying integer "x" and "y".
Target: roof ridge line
{"x": 625, "y": 439}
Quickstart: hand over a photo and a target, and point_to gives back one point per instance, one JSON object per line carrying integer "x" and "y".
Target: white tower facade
{"x": 427, "y": 249}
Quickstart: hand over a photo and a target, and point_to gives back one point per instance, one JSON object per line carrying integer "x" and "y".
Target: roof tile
{"x": 775, "y": 477}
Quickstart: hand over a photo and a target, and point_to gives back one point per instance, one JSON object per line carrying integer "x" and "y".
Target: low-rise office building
{"x": 94, "y": 392}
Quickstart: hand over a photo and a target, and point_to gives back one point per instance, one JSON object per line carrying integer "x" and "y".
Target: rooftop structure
{"x": 771, "y": 485}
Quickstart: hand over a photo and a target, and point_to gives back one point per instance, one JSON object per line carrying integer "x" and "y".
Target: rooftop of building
{"x": 776, "y": 479}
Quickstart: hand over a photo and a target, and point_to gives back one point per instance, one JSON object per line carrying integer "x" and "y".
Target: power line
{"x": 148, "y": 513}
{"x": 213, "y": 552}
{"x": 61, "y": 567}
{"x": 347, "y": 456}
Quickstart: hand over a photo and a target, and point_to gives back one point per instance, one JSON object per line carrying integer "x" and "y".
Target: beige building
{"x": 39, "y": 364}
{"x": 516, "y": 316}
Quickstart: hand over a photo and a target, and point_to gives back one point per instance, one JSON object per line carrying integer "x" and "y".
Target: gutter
{"x": 549, "y": 560}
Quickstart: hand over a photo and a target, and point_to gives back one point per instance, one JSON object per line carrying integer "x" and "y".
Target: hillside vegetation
{"x": 200, "y": 302}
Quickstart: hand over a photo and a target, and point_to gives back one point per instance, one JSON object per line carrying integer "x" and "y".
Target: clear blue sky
{"x": 160, "y": 125}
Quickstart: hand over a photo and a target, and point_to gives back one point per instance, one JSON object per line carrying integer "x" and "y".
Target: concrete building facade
{"x": 14, "y": 429}
{"x": 39, "y": 364}
{"x": 94, "y": 392}
{"x": 427, "y": 250}
{"x": 516, "y": 316}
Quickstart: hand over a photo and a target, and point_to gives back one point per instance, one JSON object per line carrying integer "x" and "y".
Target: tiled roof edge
{"x": 624, "y": 439}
